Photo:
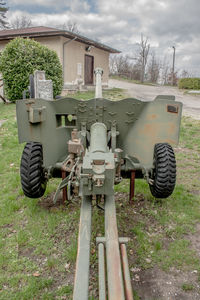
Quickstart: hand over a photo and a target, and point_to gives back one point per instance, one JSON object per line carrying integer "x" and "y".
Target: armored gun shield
{"x": 133, "y": 126}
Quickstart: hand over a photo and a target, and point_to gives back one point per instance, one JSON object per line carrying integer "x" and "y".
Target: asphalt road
{"x": 191, "y": 103}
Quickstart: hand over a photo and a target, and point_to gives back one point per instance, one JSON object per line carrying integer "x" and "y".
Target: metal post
{"x": 102, "y": 275}
{"x": 132, "y": 187}
{"x": 81, "y": 283}
{"x": 114, "y": 271}
{"x": 126, "y": 273}
{"x": 98, "y": 90}
{"x": 64, "y": 191}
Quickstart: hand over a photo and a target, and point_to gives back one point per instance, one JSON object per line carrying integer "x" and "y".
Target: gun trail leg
{"x": 114, "y": 271}
{"x": 81, "y": 282}
{"x": 126, "y": 273}
{"x": 102, "y": 272}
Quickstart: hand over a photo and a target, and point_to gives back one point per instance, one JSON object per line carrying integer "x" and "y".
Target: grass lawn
{"x": 38, "y": 241}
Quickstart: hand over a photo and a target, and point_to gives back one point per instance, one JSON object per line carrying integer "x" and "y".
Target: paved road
{"x": 191, "y": 103}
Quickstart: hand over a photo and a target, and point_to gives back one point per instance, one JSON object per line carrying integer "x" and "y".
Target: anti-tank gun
{"x": 92, "y": 145}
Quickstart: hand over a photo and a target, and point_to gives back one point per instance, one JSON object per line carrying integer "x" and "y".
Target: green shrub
{"x": 189, "y": 83}
{"x": 20, "y": 58}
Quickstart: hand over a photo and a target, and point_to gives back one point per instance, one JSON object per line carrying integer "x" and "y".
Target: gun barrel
{"x": 98, "y": 141}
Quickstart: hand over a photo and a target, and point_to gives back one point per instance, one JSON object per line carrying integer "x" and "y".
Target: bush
{"x": 189, "y": 83}
{"x": 20, "y": 58}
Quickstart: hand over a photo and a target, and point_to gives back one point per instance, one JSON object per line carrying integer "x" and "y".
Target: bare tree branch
{"x": 154, "y": 68}
{"x": 21, "y": 22}
{"x": 143, "y": 55}
{"x": 69, "y": 26}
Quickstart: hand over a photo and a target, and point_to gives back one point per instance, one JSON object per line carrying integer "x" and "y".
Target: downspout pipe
{"x": 67, "y": 42}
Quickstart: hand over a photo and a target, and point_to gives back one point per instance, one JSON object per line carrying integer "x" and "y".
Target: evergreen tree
{"x": 3, "y": 10}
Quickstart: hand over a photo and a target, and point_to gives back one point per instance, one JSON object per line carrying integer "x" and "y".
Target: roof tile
{"x": 48, "y": 31}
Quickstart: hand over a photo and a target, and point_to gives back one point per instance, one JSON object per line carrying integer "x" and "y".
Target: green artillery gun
{"x": 92, "y": 145}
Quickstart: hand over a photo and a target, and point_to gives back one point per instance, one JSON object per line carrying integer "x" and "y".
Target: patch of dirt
{"x": 194, "y": 238}
{"x": 47, "y": 202}
{"x": 7, "y": 226}
{"x": 195, "y": 192}
{"x": 155, "y": 284}
{"x": 26, "y": 252}
{"x": 182, "y": 150}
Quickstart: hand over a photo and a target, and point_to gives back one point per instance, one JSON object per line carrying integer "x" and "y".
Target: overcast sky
{"x": 119, "y": 24}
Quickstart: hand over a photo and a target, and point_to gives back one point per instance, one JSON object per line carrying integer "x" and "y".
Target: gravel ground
{"x": 191, "y": 103}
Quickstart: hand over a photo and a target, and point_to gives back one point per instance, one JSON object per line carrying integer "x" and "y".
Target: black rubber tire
{"x": 32, "y": 174}
{"x": 164, "y": 172}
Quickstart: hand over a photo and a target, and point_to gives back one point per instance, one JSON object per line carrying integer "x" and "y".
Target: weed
{"x": 135, "y": 295}
{"x": 187, "y": 287}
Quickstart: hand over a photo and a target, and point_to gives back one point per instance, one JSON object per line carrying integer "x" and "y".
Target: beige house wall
{"x": 53, "y": 43}
{"x": 74, "y": 58}
{"x": 74, "y": 61}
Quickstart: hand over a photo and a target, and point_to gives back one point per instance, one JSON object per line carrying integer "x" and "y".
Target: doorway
{"x": 89, "y": 69}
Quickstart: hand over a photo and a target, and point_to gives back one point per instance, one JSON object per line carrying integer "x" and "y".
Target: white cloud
{"x": 73, "y": 5}
{"x": 79, "y": 6}
{"x": 30, "y": 2}
{"x": 186, "y": 58}
{"x": 120, "y": 23}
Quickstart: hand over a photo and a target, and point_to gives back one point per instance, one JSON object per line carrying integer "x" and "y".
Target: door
{"x": 89, "y": 69}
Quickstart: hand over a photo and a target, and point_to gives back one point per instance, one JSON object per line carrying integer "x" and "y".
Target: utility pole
{"x": 173, "y": 64}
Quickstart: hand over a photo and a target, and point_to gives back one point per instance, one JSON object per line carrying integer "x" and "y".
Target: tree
{"x": 20, "y": 58}
{"x": 125, "y": 66}
{"x": 72, "y": 26}
{"x": 3, "y": 11}
{"x": 142, "y": 54}
{"x": 21, "y": 22}
{"x": 153, "y": 68}
{"x": 173, "y": 77}
{"x": 69, "y": 26}
{"x": 185, "y": 74}
{"x": 119, "y": 65}
{"x": 165, "y": 71}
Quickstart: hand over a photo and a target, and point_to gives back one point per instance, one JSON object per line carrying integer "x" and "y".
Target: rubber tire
{"x": 164, "y": 172}
{"x": 31, "y": 171}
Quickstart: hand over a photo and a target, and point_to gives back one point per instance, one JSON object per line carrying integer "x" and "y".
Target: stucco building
{"x": 78, "y": 55}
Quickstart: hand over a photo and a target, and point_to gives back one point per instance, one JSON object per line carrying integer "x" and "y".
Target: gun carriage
{"x": 92, "y": 145}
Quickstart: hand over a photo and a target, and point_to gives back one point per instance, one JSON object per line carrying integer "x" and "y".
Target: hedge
{"x": 20, "y": 58}
{"x": 189, "y": 83}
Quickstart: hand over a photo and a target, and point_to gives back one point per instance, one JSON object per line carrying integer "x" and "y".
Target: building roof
{"x": 42, "y": 31}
